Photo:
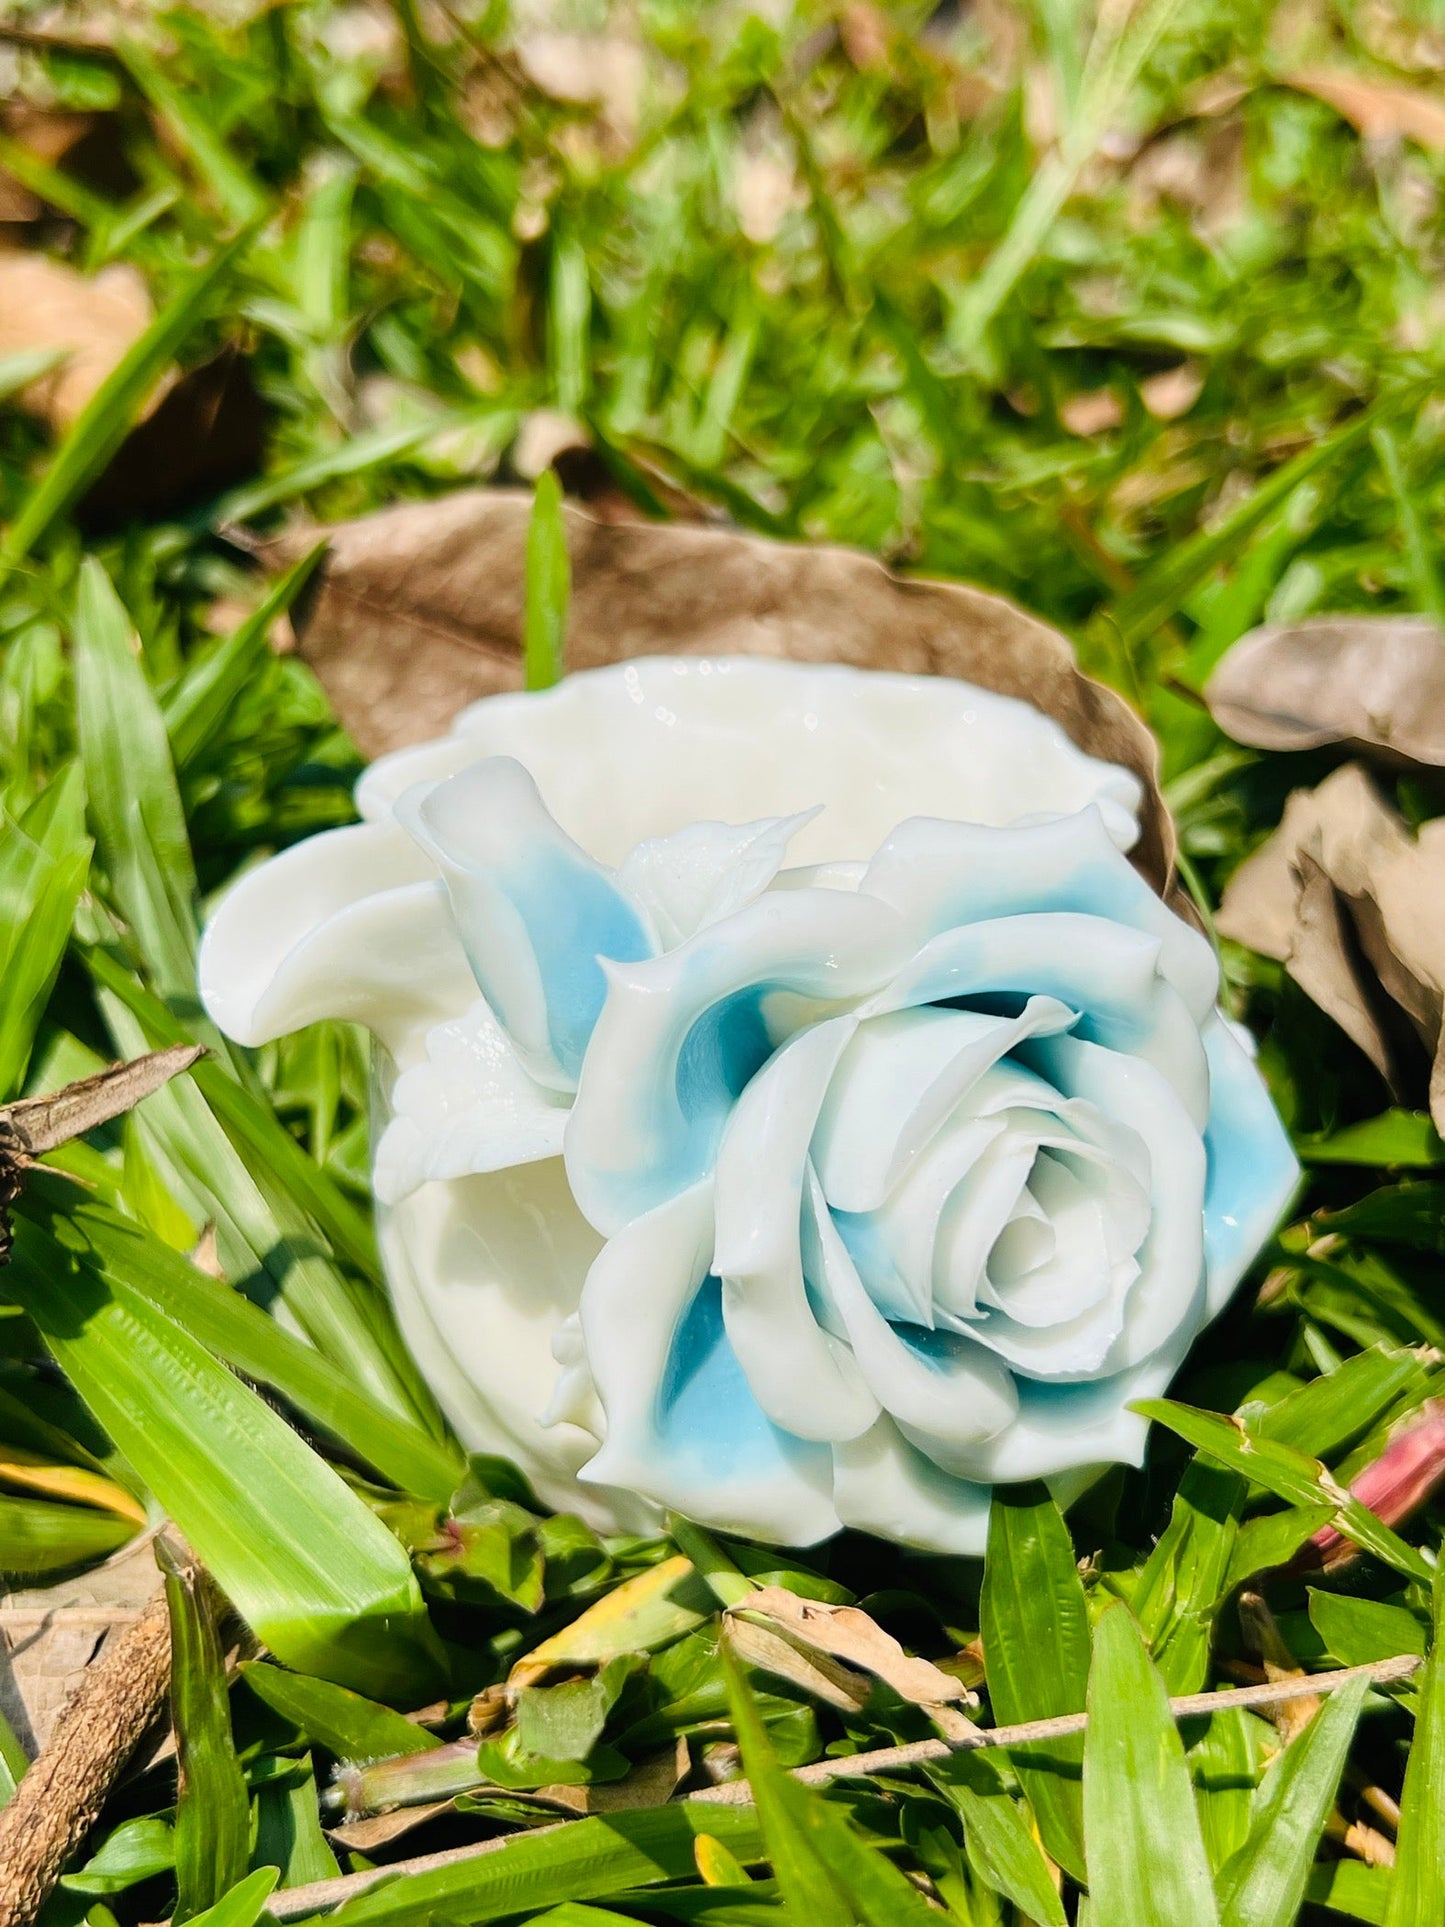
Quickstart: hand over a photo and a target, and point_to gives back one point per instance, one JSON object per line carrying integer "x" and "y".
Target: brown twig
{"x": 321, "y": 1894}
{"x": 61, "y": 1795}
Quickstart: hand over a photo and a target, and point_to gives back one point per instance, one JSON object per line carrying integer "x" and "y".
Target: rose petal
{"x": 944, "y": 1393}
{"x": 901, "y": 1076}
{"x": 1168, "y": 1295}
{"x": 690, "y": 879}
{"x": 1106, "y": 972}
{"x": 680, "y": 1036}
{"x": 350, "y": 924}
{"x": 805, "y": 1379}
{"x": 682, "y": 1424}
{"x": 939, "y": 875}
{"x": 884, "y": 1485}
{"x": 535, "y": 913}
{"x": 1252, "y": 1169}
{"x": 483, "y": 1271}
{"x": 469, "y": 1107}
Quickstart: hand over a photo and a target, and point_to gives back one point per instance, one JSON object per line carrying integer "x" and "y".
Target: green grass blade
{"x": 1147, "y": 1866}
{"x": 1000, "y": 1847}
{"x": 38, "y": 1536}
{"x": 1183, "y": 1577}
{"x": 827, "y": 1875}
{"x": 549, "y": 584}
{"x": 1264, "y": 1884}
{"x": 313, "y": 1572}
{"x": 1160, "y": 594}
{"x": 229, "y": 1325}
{"x": 102, "y": 425}
{"x": 343, "y": 1722}
{"x": 13, "y": 1760}
{"x": 1289, "y": 1474}
{"x": 197, "y": 708}
{"x": 803, "y": 1876}
{"x": 191, "y": 123}
{"x": 588, "y": 1861}
{"x": 44, "y": 863}
{"x": 135, "y": 805}
{"x": 1035, "y": 1628}
{"x": 1418, "y": 1887}
{"x": 244, "y": 1905}
{"x": 252, "y": 1127}
{"x": 213, "y": 1808}
{"x": 1425, "y": 583}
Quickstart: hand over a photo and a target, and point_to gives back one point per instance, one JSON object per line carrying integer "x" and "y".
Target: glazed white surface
{"x": 794, "y": 1108}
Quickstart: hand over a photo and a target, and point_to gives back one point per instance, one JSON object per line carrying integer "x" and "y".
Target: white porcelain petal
{"x": 939, "y": 875}
{"x": 467, "y": 1107}
{"x": 682, "y": 1425}
{"x": 945, "y": 1394}
{"x": 351, "y": 924}
{"x": 680, "y": 1036}
{"x": 483, "y": 1270}
{"x": 884, "y": 1485}
{"x": 802, "y": 1376}
{"x": 699, "y": 874}
{"x": 642, "y": 748}
{"x": 535, "y": 914}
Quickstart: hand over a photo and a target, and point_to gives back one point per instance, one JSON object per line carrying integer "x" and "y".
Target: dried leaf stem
{"x": 321, "y": 1894}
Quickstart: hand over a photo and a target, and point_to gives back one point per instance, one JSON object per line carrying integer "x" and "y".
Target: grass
{"x": 1116, "y": 317}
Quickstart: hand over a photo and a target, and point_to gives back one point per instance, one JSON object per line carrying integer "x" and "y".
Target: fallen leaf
{"x": 1353, "y": 905}
{"x": 88, "y": 146}
{"x": 651, "y": 1783}
{"x": 45, "y": 304}
{"x": 380, "y": 1829}
{"x": 848, "y": 1633}
{"x": 49, "y": 1635}
{"x": 1375, "y": 682}
{"x": 1092, "y": 412}
{"x": 1377, "y": 109}
{"x": 206, "y": 433}
{"x": 1173, "y": 391}
{"x": 771, "y": 1650}
{"x": 418, "y": 610}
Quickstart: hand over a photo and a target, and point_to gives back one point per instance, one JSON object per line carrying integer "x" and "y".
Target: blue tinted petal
{"x": 535, "y": 913}
{"x": 1252, "y": 1169}
{"x": 682, "y": 1424}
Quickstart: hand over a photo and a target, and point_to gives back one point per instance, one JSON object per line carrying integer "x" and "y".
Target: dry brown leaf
{"x": 816, "y": 1673}
{"x": 88, "y": 146}
{"x": 44, "y": 304}
{"x": 1377, "y": 109}
{"x": 1173, "y": 391}
{"x": 206, "y": 432}
{"x": 49, "y": 1635}
{"x": 848, "y": 1633}
{"x": 651, "y": 1783}
{"x": 1091, "y": 412}
{"x": 1376, "y": 682}
{"x": 1354, "y": 907}
{"x": 418, "y": 610}
{"x": 380, "y": 1829}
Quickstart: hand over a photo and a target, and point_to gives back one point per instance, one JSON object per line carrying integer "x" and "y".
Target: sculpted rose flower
{"x": 795, "y": 1109}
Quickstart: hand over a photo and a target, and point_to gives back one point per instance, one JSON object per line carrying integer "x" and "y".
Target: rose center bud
{"x": 999, "y": 1211}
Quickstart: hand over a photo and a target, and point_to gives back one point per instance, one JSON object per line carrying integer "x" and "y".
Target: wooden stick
{"x": 60, "y": 1796}
{"x": 295, "y": 1902}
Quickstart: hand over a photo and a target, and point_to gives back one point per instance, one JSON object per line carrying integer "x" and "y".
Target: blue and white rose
{"x": 821, "y": 1169}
